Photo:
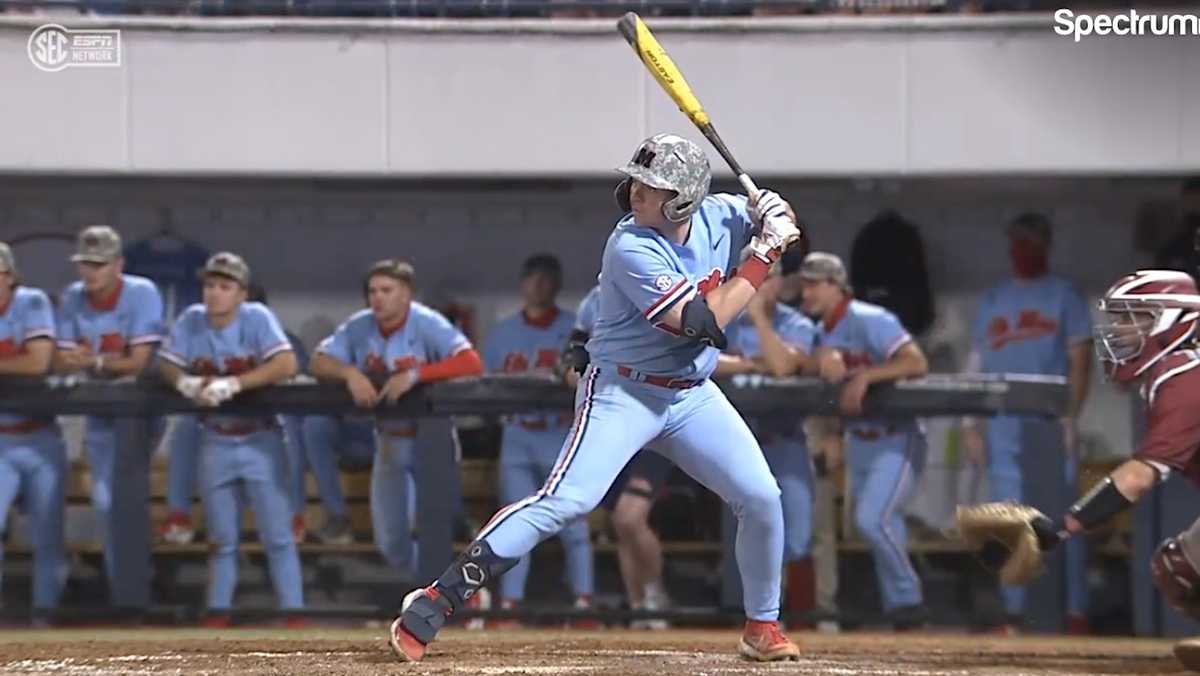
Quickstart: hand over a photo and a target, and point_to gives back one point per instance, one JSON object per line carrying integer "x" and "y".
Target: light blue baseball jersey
{"x": 866, "y": 335}
{"x": 517, "y": 345}
{"x": 253, "y": 337}
{"x": 27, "y": 317}
{"x": 794, "y": 329}
{"x": 1027, "y": 326}
{"x": 426, "y": 336}
{"x": 644, "y": 275}
{"x": 585, "y": 316}
{"x": 132, "y": 316}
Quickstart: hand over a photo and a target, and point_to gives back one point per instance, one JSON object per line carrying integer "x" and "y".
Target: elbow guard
{"x": 700, "y": 324}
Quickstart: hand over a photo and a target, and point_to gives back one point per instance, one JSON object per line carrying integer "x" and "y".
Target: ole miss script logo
{"x": 1030, "y": 324}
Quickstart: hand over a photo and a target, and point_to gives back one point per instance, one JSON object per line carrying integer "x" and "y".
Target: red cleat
{"x": 405, "y": 645}
{"x": 765, "y": 642}
{"x": 1077, "y": 625}
{"x": 217, "y": 622}
{"x": 295, "y": 622}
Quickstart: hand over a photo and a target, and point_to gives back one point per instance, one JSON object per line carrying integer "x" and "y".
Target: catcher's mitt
{"x": 1005, "y": 535}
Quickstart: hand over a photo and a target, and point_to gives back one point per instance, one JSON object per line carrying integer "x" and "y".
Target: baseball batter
{"x": 858, "y": 344}
{"x": 33, "y": 461}
{"x": 215, "y": 350}
{"x": 530, "y": 342}
{"x": 631, "y": 496}
{"x": 409, "y": 343}
{"x": 774, "y": 339}
{"x": 668, "y": 288}
{"x": 109, "y": 325}
{"x": 1033, "y": 323}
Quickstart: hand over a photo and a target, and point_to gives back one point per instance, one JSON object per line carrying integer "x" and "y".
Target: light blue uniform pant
{"x": 526, "y": 458}
{"x": 183, "y": 453}
{"x": 393, "y": 488}
{"x": 1005, "y": 483}
{"x": 790, "y": 463}
{"x": 883, "y": 474}
{"x": 123, "y": 515}
{"x": 35, "y": 465}
{"x": 699, "y": 430}
{"x": 183, "y": 448}
{"x": 234, "y": 471}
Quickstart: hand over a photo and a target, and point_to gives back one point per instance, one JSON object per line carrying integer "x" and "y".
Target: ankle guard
{"x": 474, "y": 568}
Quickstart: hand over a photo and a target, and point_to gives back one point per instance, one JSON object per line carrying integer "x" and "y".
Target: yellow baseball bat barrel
{"x": 668, "y": 75}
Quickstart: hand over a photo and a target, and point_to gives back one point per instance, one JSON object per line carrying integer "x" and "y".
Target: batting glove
{"x": 778, "y": 233}
{"x": 219, "y": 391}
{"x": 189, "y": 386}
{"x": 768, "y": 205}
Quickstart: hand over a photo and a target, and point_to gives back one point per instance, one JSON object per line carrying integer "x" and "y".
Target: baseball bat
{"x": 660, "y": 65}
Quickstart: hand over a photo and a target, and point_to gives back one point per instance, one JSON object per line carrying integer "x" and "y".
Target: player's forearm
{"x": 277, "y": 369}
{"x": 781, "y": 359}
{"x": 1109, "y": 497}
{"x": 32, "y": 362}
{"x": 725, "y": 302}
{"x": 131, "y": 364}
{"x": 731, "y": 365}
{"x": 908, "y": 362}
{"x": 729, "y": 299}
{"x": 1079, "y": 376}
{"x": 170, "y": 372}
{"x": 324, "y": 367}
{"x": 461, "y": 365}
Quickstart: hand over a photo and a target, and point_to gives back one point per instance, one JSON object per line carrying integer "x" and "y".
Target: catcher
{"x": 1146, "y": 337}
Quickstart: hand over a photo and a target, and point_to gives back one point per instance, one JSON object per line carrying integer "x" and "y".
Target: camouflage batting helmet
{"x": 669, "y": 162}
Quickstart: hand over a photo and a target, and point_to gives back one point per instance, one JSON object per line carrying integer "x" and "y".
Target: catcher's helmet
{"x": 1146, "y": 315}
{"x": 669, "y": 162}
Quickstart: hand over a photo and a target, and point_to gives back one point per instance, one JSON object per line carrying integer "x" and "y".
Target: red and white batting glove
{"x": 768, "y": 205}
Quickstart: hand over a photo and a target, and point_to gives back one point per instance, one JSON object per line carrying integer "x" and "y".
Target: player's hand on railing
{"x": 219, "y": 391}
{"x": 361, "y": 389}
{"x": 831, "y": 366}
{"x": 853, "y": 393}
{"x": 398, "y": 385}
{"x": 189, "y": 386}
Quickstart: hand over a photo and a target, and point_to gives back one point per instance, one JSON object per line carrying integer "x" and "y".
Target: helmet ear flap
{"x": 621, "y": 194}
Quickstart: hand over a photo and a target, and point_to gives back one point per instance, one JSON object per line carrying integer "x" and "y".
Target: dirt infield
{"x": 675, "y": 653}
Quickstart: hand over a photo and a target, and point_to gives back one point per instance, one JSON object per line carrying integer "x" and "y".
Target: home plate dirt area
{"x": 364, "y": 652}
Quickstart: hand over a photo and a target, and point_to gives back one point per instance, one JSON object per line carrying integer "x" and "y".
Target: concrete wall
{"x": 793, "y": 96}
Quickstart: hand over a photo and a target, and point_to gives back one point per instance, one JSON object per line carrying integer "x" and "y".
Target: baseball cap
{"x": 98, "y": 244}
{"x": 819, "y": 266}
{"x": 1032, "y": 225}
{"x": 8, "y": 263}
{"x": 228, "y": 265}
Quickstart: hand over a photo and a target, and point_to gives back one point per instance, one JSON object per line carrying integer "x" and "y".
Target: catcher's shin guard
{"x": 426, "y": 614}
{"x": 1176, "y": 577}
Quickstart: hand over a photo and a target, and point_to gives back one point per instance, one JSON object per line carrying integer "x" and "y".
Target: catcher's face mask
{"x": 1122, "y": 333}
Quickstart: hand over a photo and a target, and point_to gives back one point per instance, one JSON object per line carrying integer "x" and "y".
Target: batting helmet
{"x": 669, "y": 162}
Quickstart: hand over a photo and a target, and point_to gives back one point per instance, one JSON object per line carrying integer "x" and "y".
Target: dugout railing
{"x": 133, "y": 404}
